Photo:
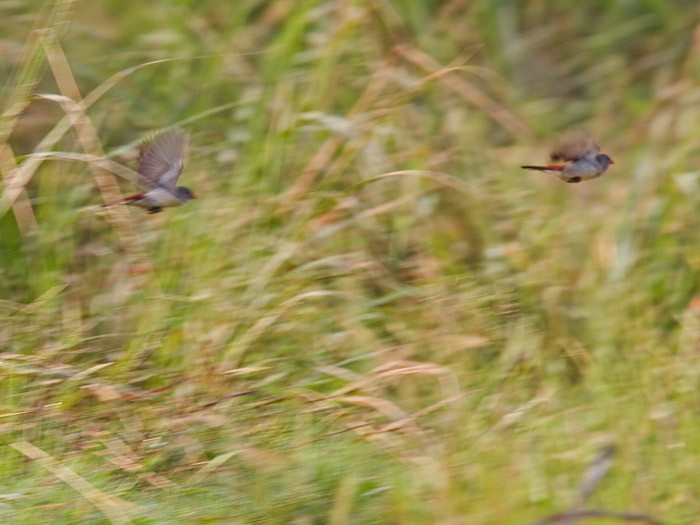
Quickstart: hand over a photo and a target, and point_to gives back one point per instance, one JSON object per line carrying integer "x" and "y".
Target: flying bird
{"x": 576, "y": 158}
{"x": 161, "y": 159}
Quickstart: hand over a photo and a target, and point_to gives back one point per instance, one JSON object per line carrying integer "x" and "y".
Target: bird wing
{"x": 575, "y": 146}
{"x": 162, "y": 157}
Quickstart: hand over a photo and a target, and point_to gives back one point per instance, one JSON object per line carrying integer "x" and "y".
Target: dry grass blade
{"x": 410, "y": 421}
{"x": 242, "y": 345}
{"x": 40, "y": 301}
{"x": 400, "y": 421}
{"x": 211, "y": 466}
{"x": 89, "y": 140}
{"x": 397, "y": 369}
{"x": 26, "y": 80}
{"x": 324, "y": 155}
{"x": 382, "y": 406}
{"x": 265, "y": 275}
{"x": 22, "y": 84}
{"x": 59, "y": 66}
{"x": 120, "y": 455}
{"x": 443, "y": 179}
{"x": 330, "y": 224}
{"x": 517, "y": 127}
{"x": 27, "y": 168}
{"x": 386, "y": 207}
{"x": 115, "y": 509}
{"x": 21, "y": 206}
{"x": 309, "y": 174}
{"x": 341, "y": 509}
{"x": 24, "y": 172}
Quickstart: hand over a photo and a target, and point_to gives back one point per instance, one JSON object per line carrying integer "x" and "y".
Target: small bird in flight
{"x": 161, "y": 159}
{"x": 576, "y": 158}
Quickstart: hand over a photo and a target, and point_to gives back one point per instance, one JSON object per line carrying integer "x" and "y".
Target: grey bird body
{"x": 161, "y": 161}
{"x": 579, "y": 159}
{"x": 157, "y": 198}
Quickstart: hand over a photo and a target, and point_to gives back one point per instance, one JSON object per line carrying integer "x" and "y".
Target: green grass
{"x": 371, "y": 314}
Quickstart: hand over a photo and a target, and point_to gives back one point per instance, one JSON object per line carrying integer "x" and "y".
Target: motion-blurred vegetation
{"x": 371, "y": 314}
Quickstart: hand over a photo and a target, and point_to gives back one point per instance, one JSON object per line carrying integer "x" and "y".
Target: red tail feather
{"x": 550, "y": 167}
{"x": 133, "y": 197}
{"x": 130, "y": 198}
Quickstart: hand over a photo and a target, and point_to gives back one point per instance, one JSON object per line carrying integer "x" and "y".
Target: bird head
{"x": 604, "y": 160}
{"x": 184, "y": 194}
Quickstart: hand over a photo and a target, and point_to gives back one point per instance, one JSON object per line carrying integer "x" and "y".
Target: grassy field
{"x": 371, "y": 315}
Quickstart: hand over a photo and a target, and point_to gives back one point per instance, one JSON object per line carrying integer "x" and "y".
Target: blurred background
{"x": 371, "y": 314}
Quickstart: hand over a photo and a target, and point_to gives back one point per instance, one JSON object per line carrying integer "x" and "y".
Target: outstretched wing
{"x": 162, "y": 157}
{"x": 574, "y": 146}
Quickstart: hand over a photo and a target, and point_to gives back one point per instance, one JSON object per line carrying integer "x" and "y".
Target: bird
{"x": 161, "y": 159}
{"x": 576, "y": 158}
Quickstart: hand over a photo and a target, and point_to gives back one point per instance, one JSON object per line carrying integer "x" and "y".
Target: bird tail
{"x": 125, "y": 200}
{"x": 550, "y": 167}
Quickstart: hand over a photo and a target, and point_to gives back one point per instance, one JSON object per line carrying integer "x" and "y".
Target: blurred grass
{"x": 371, "y": 315}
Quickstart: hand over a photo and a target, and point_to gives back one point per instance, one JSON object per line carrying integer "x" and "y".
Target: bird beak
{"x": 612, "y": 161}
{"x": 194, "y": 196}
